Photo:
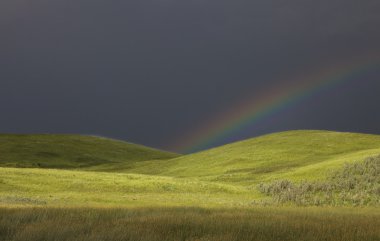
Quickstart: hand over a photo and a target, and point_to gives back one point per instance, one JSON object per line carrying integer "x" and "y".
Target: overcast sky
{"x": 150, "y": 71}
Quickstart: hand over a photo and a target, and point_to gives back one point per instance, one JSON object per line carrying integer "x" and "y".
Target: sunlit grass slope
{"x": 294, "y": 155}
{"x": 223, "y": 176}
{"x": 53, "y": 187}
{"x": 72, "y": 151}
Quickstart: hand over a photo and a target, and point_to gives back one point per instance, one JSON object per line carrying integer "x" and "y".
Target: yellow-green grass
{"x": 294, "y": 155}
{"x": 226, "y": 176}
{"x": 48, "y": 187}
{"x": 189, "y": 224}
{"x": 89, "y": 188}
{"x": 72, "y": 151}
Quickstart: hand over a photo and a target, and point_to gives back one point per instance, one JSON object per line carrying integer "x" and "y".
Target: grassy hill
{"x": 212, "y": 195}
{"x": 72, "y": 151}
{"x": 139, "y": 176}
{"x": 73, "y": 188}
{"x": 294, "y": 155}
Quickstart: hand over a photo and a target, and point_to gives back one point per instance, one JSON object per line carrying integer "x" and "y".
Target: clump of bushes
{"x": 355, "y": 184}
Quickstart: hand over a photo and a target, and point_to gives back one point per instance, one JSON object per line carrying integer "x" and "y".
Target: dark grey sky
{"x": 148, "y": 71}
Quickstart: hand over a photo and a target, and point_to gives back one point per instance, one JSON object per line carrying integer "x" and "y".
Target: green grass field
{"x": 190, "y": 224}
{"x": 294, "y": 154}
{"x": 211, "y": 195}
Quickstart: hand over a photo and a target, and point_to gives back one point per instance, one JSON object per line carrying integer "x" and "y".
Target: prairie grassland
{"x": 70, "y": 188}
{"x": 189, "y": 224}
{"x": 86, "y": 188}
{"x": 293, "y": 155}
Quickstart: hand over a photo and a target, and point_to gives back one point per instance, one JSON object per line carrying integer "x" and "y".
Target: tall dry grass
{"x": 189, "y": 224}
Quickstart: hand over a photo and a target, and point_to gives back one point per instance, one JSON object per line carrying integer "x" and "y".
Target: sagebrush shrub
{"x": 356, "y": 183}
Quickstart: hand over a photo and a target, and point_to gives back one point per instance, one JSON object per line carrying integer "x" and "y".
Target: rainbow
{"x": 251, "y": 110}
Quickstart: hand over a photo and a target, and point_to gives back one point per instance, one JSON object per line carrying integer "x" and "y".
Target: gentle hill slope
{"x": 293, "y": 154}
{"x": 227, "y": 176}
{"x": 53, "y": 187}
{"x": 72, "y": 151}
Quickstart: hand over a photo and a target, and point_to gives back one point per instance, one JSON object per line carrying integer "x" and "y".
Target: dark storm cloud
{"x": 148, "y": 70}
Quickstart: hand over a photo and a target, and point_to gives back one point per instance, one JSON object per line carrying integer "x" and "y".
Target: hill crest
{"x": 68, "y": 151}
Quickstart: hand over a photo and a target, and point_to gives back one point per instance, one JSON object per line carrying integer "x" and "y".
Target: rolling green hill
{"x": 294, "y": 155}
{"x": 114, "y": 173}
{"x": 74, "y": 188}
{"x": 72, "y": 151}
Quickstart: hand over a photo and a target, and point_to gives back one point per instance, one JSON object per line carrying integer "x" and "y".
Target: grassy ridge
{"x": 294, "y": 155}
{"x": 265, "y": 224}
{"x": 72, "y": 151}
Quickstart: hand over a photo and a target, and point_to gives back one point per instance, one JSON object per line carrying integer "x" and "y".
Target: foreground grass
{"x": 191, "y": 224}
